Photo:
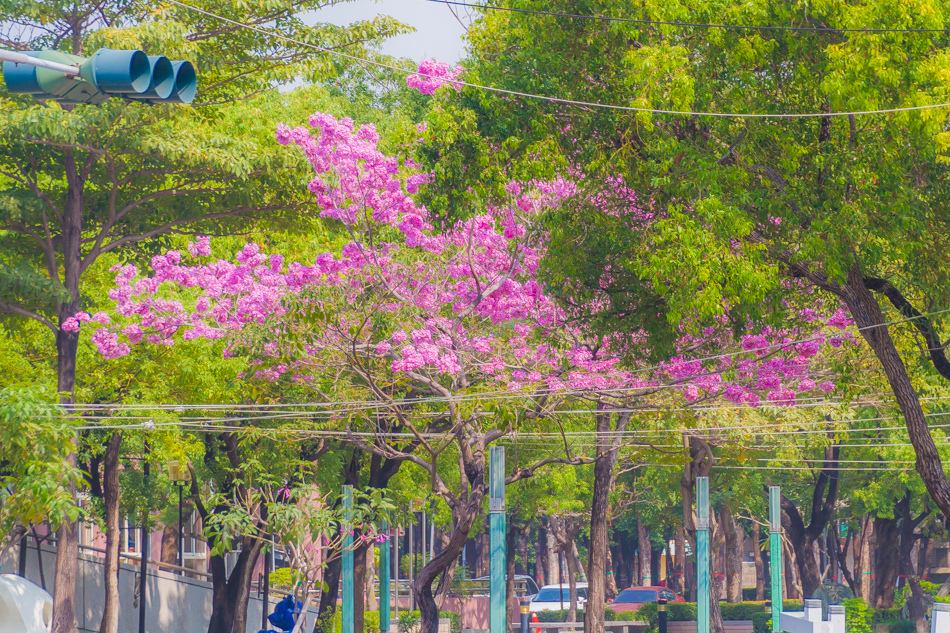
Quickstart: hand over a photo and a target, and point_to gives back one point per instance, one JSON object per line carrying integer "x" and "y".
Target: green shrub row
{"x": 405, "y": 621}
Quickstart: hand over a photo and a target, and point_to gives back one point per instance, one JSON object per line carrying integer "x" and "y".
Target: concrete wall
{"x": 174, "y": 604}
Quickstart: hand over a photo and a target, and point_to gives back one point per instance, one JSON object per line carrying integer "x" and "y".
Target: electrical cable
{"x": 702, "y": 25}
{"x": 560, "y": 100}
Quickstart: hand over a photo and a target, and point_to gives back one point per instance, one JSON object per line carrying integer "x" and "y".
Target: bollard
{"x": 525, "y": 612}
{"x": 661, "y": 615}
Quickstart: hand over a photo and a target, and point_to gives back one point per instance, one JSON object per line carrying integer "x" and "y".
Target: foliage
{"x": 36, "y": 475}
{"x": 858, "y": 616}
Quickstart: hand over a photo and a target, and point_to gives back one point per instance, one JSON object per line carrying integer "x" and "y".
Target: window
{"x": 637, "y": 595}
{"x": 551, "y": 594}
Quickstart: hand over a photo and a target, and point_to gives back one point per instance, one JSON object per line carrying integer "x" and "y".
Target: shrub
{"x": 857, "y": 616}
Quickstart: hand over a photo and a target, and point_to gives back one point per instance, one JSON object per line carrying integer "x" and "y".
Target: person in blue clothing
{"x": 284, "y": 615}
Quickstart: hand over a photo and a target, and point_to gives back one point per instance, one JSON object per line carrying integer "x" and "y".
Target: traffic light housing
{"x": 127, "y": 74}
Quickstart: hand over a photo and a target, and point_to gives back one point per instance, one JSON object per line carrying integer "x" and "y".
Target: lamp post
{"x": 179, "y": 476}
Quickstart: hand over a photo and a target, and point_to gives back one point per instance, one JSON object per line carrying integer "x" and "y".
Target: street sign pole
{"x": 496, "y": 529}
{"x": 702, "y": 555}
{"x": 349, "y": 586}
{"x": 775, "y": 554}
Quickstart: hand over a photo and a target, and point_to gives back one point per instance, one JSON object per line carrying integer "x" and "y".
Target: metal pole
{"x": 496, "y": 529}
{"x": 703, "y": 596}
{"x": 143, "y": 573}
{"x": 525, "y": 615}
{"x": 20, "y": 58}
{"x": 266, "y": 601}
{"x": 349, "y": 585}
{"x": 412, "y": 554}
{"x": 661, "y": 615}
{"x": 424, "y": 548}
{"x": 383, "y": 576}
{"x": 775, "y": 555}
{"x": 396, "y": 570}
{"x": 181, "y": 538}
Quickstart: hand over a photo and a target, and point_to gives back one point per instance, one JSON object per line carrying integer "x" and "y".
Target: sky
{"x": 438, "y": 33}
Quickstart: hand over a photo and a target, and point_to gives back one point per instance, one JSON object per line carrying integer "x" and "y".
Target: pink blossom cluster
{"x": 446, "y": 311}
{"x": 432, "y": 75}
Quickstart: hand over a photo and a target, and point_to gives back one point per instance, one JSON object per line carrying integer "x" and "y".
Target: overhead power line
{"x": 701, "y": 25}
{"x": 559, "y": 100}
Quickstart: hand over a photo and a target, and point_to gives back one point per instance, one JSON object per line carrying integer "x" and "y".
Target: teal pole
{"x": 775, "y": 555}
{"x": 349, "y": 586}
{"x": 496, "y": 530}
{"x": 384, "y": 579}
{"x": 702, "y": 555}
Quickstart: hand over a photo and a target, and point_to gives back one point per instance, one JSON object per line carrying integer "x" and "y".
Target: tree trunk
{"x": 886, "y": 561}
{"x": 610, "y": 587}
{"x": 523, "y": 549}
{"x": 372, "y": 604}
{"x": 578, "y": 563}
{"x": 645, "y": 553}
{"x": 571, "y": 583}
{"x": 915, "y": 603}
{"x": 110, "y": 490}
{"x": 359, "y": 586}
{"x": 793, "y": 587}
{"x": 867, "y": 314}
{"x": 677, "y": 580}
{"x": 606, "y": 457}
{"x": 169, "y": 553}
{"x": 863, "y": 559}
{"x": 732, "y": 560}
{"x": 759, "y": 562}
{"x": 331, "y": 589}
{"x": 553, "y": 567}
{"x": 67, "y": 345}
{"x": 541, "y": 556}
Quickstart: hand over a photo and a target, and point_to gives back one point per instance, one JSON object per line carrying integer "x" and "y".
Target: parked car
{"x": 558, "y": 597}
{"x": 633, "y": 598}
{"x": 526, "y": 588}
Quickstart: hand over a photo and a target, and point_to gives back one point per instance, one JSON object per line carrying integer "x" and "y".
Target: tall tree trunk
{"x": 867, "y": 314}
{"x": 610, "y": 587}
{"x": 644, "y": 553}
{"x": 372, "y": 604}
{"x": 863, "y": 559}
{"x": 571, "y": 582}
{"x": 793, "y": 587}
{"x": 578, "y": 563}
{"x": 110, "y": 490}
{"x": 841, "y": 555}
{"x": 359, "y": 586}
{"x": 908, "y": 524}
{"x": 510, "y": 543}
{"x": 759, "y": 561}
{"x": 553, "y": 566}
{"x": 541, "y": 556}
{"x": 886, "y": 561}
{"x": 732, "y": 559}
{"x": 523, "y": 549}
{"x": 677, "y": 579}
{"x": 67, "y": 345}
{"x": 331, "y": 587}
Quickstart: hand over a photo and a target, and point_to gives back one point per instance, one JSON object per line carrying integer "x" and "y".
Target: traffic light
{"x": 130, "y": 75}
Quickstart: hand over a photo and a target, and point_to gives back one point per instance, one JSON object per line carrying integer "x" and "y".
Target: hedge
{"x": 371, "y": 621}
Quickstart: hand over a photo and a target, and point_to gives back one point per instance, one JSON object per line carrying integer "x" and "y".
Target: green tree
{"x": 750, "y": 212}
{"x": 77, "y": 182}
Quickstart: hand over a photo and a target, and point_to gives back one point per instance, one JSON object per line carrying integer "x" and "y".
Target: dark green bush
{"x": 558, "y": 616}
{"x": 903, "y": 626}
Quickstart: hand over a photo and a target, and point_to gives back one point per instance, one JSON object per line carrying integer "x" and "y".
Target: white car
{"x": 558, "y": 597}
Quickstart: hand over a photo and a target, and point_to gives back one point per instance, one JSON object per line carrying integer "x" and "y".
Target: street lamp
{"x": 179, "y": 476}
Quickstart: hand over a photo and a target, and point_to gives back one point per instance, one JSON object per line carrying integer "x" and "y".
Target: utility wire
{"x": 701, "y": 25}
{"x": 560, "y": 100}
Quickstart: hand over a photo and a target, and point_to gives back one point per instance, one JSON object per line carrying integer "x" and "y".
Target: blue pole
{"x": 702, "y": 555}
{"x": 496, "y": 530}
{"x": 349, "y": 614}
{"x": 775, "y": 555}
{"x": 384, "y": 579}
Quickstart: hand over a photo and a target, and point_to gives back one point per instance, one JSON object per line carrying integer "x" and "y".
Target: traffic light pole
{"x": 21, "y": 58}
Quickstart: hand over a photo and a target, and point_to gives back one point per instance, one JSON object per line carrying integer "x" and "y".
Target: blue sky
{"x": 438, "y": 33}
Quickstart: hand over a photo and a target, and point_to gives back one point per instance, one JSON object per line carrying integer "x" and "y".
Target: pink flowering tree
{"x": 418, "y": 329}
